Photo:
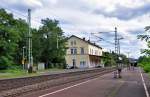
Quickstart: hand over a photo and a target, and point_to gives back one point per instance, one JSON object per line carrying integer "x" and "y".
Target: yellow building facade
{"x": 82, "y": 53}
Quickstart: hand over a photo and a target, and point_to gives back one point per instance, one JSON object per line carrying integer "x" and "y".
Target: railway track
{"x": 17, "y": 86}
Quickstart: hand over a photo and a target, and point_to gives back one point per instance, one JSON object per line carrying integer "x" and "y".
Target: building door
{"x": 74, "y": 63}
{"x": 82, "y": 64}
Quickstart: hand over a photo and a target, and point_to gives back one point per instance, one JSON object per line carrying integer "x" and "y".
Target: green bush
{"x": 107, "y": 63}
{"x": 4, "y": 62}
{"x": 141, "y": 65}
{"x": 146, "y": 68}
{"x": 13, "y": 69}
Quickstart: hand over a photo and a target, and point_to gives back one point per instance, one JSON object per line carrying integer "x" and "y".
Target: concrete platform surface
{"x": 130, "y": 85}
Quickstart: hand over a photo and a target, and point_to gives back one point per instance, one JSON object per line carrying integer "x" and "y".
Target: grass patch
{"x": 17, "y": 73}
{"x": 51, "y": 69}
{"x": 14, "y": 73}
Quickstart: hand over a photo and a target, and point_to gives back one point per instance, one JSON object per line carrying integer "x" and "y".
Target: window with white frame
{"x": 73, "y": 50}
{"x": 82, "y": 50}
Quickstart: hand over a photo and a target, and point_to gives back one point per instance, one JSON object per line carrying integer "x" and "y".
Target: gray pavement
{"x": 130, "y": 85}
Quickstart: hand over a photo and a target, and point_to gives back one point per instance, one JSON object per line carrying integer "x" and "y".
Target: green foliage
{"x": 8, "y": 39}
{"x": 146, "y": 51}
{"x": 111, "y": 59}
{"x": 13, "y": 37}
{"x": 47, "y": 37}
{"x": 4, "y": 62}
{"x": 144, "y": 62}
{"x": 124, "y": 59}
{"x": 146, "y": 68}
{"x": 145, "y": 37}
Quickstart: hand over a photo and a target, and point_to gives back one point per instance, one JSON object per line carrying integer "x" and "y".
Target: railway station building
{"x": 82, "y": 53}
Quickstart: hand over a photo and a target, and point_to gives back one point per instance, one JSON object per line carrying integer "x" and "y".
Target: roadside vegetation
{"x": 14, "y": 72}
{"x": 144, "y": 61}
{"x": 17, "y": 72}
{"x": 111, "y": 59}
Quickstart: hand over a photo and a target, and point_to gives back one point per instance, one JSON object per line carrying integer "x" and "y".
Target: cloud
{"x": 21, "y": 5}
{"x": 136, "y": 31}
{"x": 125, "y": 13}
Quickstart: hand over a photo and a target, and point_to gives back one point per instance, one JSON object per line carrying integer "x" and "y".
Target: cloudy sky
{"x": 83, "y": 17}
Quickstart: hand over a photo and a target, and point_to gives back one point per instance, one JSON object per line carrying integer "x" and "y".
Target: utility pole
{"x": 116, "y": 41}
{"x": 57, "y": 42}
{"x": 30, "y": 59}
{"x": 117, "y": 45}
{"x": 23, "y": 57}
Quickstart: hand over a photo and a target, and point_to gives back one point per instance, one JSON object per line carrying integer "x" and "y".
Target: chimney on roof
{"x": 83, "y": 38}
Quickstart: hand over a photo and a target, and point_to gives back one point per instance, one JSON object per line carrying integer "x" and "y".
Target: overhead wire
{"x": 17, "y": 14}
{"x": 102, "y": 39}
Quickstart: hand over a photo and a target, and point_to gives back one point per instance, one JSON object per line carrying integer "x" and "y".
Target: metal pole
{"x": 119, "y": 53}
{"x": 116, "y": 41}
{"x": 119, "y": 47}
{"x": 128, "y": 64}
{"x": 30, "y": 59}
{"x": 23, "y": 58}
{"x": 23, "y": 53}
{"x": 57, "y": 41}
{"x": 29, "y": 38}
{"x": 116, "y": 45}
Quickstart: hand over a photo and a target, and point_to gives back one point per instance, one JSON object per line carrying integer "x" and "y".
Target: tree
{"x": 11, "y": 32}
{"x": 111, "y": 59}
{"x": 146, "y": 38}
{"x": 7, "y": 39}
{"x": 47, "y": 38}
{"x": 13, "y": 38}
{"x": 144, "y": 61}
{"x": 22, "y": 30}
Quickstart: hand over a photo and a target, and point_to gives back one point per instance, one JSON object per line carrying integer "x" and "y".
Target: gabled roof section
{"x": 87, "y": 41}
